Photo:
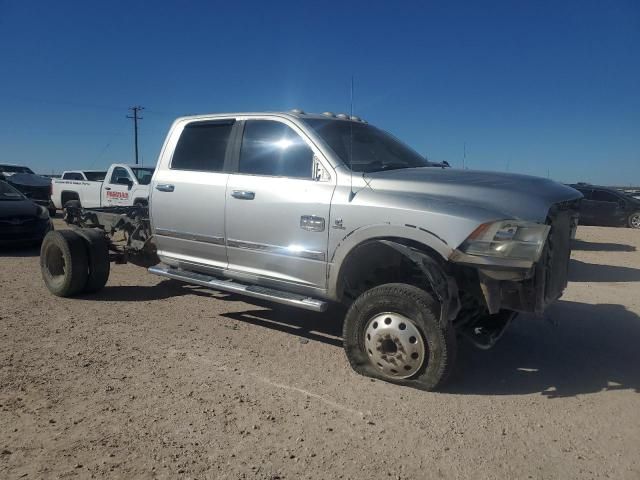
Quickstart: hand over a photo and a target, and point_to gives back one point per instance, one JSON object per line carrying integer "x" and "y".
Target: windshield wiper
{"x": 391, "y": 166}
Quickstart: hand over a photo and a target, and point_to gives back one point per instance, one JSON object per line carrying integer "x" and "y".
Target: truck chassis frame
{"x": 132, "y": 222}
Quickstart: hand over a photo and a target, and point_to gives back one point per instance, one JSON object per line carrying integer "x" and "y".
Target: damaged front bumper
{"x": 525, "y": 286}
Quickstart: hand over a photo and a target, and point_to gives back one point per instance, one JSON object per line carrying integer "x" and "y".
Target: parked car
{"x": 121, "y": 185}
{"x": 309, "y": 210}
{"x": 35, "y": 187}
{"x": 607, "y": 207}
{"x": 22, "y": 222}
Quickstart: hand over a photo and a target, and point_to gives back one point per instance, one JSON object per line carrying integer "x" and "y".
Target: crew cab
{"x": 120, "y": 185}
{"x": 310, "y": 210}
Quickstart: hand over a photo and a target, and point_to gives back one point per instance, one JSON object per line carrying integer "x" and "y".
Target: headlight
{"x": 513, "y": 239}
{"x": 43, "y": 213}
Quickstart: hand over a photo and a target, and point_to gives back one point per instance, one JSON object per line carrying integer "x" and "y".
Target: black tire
{"x": 64, "y": 263}
{"x": 72, "y": 204}
{"x": 423, "y": 311}
{"x": 98, "y": 250}
{"x": 634, "y": 220}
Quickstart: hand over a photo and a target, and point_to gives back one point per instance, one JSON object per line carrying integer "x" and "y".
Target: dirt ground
{"x": 151, "y": 378}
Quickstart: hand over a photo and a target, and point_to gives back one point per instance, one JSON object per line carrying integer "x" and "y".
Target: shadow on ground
{"x": 587, "y": 349}
{"x": 601, "y": 247}
{"x": 583, "y": 349}
{"x": 322, "y": 327}
{"x": 143, "y": 293}
{"x": 592, "y": 272}
{"x": 20, "y": 251}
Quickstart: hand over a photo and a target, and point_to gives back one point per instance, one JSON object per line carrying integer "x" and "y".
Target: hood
{"x": 18, "y": 208}
{"x": 28, "y": 180}
{"x": 504, "y": 194}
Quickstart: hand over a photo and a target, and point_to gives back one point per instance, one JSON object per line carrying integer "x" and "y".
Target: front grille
{"x": 22, "y": 231}
{"x": 34, "y": 193}
{"x": 17, "y": 219}
{"x": 558, "y": 250}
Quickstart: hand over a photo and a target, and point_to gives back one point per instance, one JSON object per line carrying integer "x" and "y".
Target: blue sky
{"x": 531, "y": 87}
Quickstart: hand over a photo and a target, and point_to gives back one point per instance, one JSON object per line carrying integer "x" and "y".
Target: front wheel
{"x": 634, "y": 220}
{"x": 393, "y": 332}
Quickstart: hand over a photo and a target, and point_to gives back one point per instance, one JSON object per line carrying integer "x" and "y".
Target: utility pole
{"x": 135, "y": 118}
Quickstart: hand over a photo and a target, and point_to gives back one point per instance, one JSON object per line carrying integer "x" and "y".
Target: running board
{"x": 232, "y": 286}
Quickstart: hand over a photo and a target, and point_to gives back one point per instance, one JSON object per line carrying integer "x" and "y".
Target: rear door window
{"x": 72, "y": 176}
{"x": 604, "y": 196}
{"x": 585, "y": 192}
{"x": 95, "y": 176}
{"x": 202, "y": 146}
{"x": 274, "y": 149}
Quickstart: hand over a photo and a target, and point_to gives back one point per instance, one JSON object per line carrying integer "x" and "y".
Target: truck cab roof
{"x": 292, "y": 114}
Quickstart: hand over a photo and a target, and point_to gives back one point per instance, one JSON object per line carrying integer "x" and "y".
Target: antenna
{"x": 351, "y": 192}
{"x": 464, "y": 155}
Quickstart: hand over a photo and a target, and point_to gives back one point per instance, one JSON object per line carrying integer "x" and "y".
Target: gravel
{"x": 151, "y": 378}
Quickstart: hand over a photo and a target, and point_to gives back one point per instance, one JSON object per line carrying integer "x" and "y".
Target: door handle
{"x": 107, "y": 188}
{"x": 243, "y": 195}
{"x": 165, "y": 187}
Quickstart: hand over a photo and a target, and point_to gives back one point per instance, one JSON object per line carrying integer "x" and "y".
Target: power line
{"x": 135, "y": 119}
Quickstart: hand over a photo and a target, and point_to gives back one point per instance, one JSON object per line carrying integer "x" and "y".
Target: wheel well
{"x": 376, "y": 262}
{"x": 68, "y": 196}
{"x": 141, "y": 201}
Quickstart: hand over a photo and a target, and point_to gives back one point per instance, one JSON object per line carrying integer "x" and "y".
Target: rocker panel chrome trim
{"x": 216, "y": 240}
{"x": 291, "y": 251}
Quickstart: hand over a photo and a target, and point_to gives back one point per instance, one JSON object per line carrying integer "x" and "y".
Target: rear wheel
{"x": 71, "y": 203}
{"x": 64, "y": 263}
{"x": 393, "y": 332}
{"x": 634, "y": 220}
{"x": 98, "y": 250}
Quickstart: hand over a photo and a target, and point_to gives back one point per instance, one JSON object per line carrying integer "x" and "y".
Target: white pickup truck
{"x": 121, "y": 185}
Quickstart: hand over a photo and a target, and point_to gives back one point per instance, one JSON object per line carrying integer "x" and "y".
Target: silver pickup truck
{"x": 310, "y": 210}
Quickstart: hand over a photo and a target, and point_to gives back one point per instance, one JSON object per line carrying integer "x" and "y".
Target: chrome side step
{"x": 255, "y": 291}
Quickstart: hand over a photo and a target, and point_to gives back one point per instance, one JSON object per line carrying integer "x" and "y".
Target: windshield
{"x": 95, "y": 176}
{"x": 373, "y": 149}
{"x": 143, "y": 175}
{"x": 14, "y": 169}
{"x": 7, "y": 192}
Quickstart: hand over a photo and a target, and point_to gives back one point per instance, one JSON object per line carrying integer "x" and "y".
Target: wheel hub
{"x": 395, "y": 345}
{"x": 635, "y": 221}
{"x": 54, "y": 262}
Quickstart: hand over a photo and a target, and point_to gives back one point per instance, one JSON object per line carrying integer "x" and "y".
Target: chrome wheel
{"x": 395, "y": 345}
{"x": 634, "y": 220}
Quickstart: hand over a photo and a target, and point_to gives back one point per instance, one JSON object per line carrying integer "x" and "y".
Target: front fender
{"x": 379, "y": 232}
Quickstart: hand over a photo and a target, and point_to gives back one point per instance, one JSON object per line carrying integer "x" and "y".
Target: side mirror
{"x": 124, "y": 181}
